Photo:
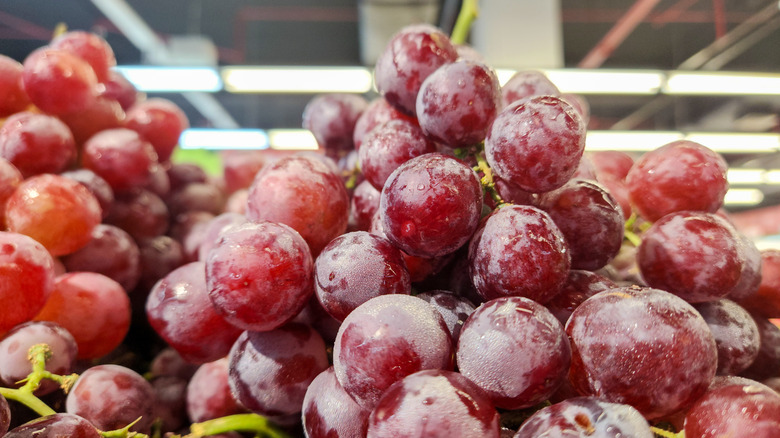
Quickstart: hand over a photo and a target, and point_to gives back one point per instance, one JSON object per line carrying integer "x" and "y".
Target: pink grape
{"x": 527, "y": 84}
{"x": 328, "y": 411}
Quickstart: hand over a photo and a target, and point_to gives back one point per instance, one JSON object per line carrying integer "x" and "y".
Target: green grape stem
{"x": 239, "y": 422}
{"x": 469, "y": 12}
{"x": 488, "y": 184}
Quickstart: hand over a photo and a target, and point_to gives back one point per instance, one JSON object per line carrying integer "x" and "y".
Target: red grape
{"x": 36, "y": 143}
{"x": 527, "y": 84}
{"x": 767, "y": 362}
{"x": 303, "y": 193}
{"x": 614, "y": 164}
{"x": 536, "y": 144}
{"x": 158, "y": 121}
{"x": 681, "y": 175}
{"x": 55, "y": 426}
{"x": 430, "y": 205}
{"x": 12, "y": 95}
{"x": 454, "y": 309}
{"x": 121, "y": 157}
{"x": 735, "y": 332}
{"x": 96, "y": 185}
{"x": 378, "y": 112}
{"x": 259, "y": 275}
{"x": 435, "y": 404}
{"x": 766, "y": 301}
{"x": 101, "y": 114}
{"x": 328, "y": 411}
{"x": 240, "y": 167}
{"x": 585, "y": 417}
{"x": 643, "y": 347}
{"x": 515, "y": 350}
{"x": 90, "y": 47}
{"x": 579, "y": 286}
{"x": 111, "y": 252}
{"x": 59, "y": 82}
{"x": 26, "y": 278}
{"x": 141, "y": 213}
{"x": 412, "y": 54}
{"x": 119, "y": 88}
{"x": 363, "y": 206}
{"x": 331, "y": 118}
{"x": 213, "y": 230}
{"x": 208, "y": 393}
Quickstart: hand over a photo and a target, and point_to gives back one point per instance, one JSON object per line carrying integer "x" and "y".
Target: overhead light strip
{"x": 297, "y": 79}
{"x": 172, "y": 79}
{"x": 643, "y": 141}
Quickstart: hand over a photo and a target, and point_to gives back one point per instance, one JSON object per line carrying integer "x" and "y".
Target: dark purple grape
{"x": 586, "y": 417}
{"x": 259, "y": 275}
{"x": 515, "y": 350}
{"x": 363, "y": 206}
{"x": 536, "y": 144}
{"x": 331, "y": 118}
{"x": 159, "y": 256}
{"x": 15, "y": 362}
{"x": 454, "y": 309}
{"x": 435, "y": 404}
{"x": 412, "y": 54}
{"x": 196, "y": 197}
{"x": 744, "y": 409}
{"x": 589, "y": 218}
{"x": 269, "y": 372}
{"x": 180, "y": 311}
{"x": 385, "y": 339}
{"x": 519, "y": 252}
{"x": 356, "y": 267}
{"x": 141, "y": 213}
{"x": 111, "y": 397}
{"x": 579, "y": 286}
{"x": 682, "y": 175}
{"x": 430, "y": 206}
{"x": 457, "y": 103}
{"x": 766, "y": 300}
{"x": 643, "y": 347}
{"x": 5, "y": 416}
{"x": 303, "y": 193}
{"x": 55, "y": 426}
{"x": 111, "y": 252}
{"x": 171, "y": 406}
{"x": 182, "y": 174}
{"x": 694, "y": 255}
{"x": 208, "y": 393}
{"x": 767, "y": 362}
{"x": 96, "y": 185}
{"x": 329, "y": 412}
{"x": 527, "y": 84}
{"x": 390, "y": 145}
{"x": 735, "y": 333}
{"x": 169, "y": 363}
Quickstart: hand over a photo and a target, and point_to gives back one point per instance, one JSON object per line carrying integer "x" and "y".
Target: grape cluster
{"x": 450, "y": 263}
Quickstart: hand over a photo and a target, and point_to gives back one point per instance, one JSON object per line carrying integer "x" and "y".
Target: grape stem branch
{"x": 468, "y": 13}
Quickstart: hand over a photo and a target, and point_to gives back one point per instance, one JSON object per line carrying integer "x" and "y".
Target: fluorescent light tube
{"x": 746, "y": 176}
{"x": 743, "y": 197}
{"x": 297, "y": 79}
{"x": 718, "y": 83}
{"x": 640, "y": 141}
{"x": 724, "y": 142}
{"x": 172, "y": 79}
{"x": 220, "y": 139}
{"x": 581, "y": 81}
{"x": 292, "y": 139}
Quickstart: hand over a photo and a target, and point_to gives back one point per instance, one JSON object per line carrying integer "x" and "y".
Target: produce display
{"x": 450, "y": 263}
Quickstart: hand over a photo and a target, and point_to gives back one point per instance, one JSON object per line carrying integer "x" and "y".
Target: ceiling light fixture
{"x": 721, "y": 142}
{"x": 222, "y": 139}
{"x": 172, "y": 79}
{"x": 721, "y": 83}
{"x": 297, "y": 79}
{"x": 743, "y": 197}
{"x": 292, "y": 139}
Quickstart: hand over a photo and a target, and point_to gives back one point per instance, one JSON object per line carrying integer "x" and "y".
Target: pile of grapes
{"x": 451, "y": 264}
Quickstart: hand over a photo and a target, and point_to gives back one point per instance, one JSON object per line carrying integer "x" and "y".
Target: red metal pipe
{"x": 719, "y": 17}
{"x": 581, "y": 15}
{"x": 615, "y": 36}
{"x": 30, "y": 29}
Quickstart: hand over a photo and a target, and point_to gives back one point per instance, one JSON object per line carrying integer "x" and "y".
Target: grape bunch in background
{"x": 450, "y": 263}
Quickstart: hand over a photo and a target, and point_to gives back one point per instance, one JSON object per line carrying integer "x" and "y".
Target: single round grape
{"x": 96, "y": 185}
{"x": 121, "y": 157}
{"x": 158, "y": 256}
{"x": 457, "y": 103}
{"x": 682, "y": 175}
{"x": 13, "y": 98}
{"x": 328, "y": 411}
{"x": 196, "y": 197}
{"x": 111, "y": 252}
{"x": 694, "y": 255}
{"x": 378, "y": 112}
{"x": 101, "y": 114}
{"x": 180, "y": 311}
{"x": 240, "y": 167}
{"x": 515, "y": 350}
{"x": 55, "y": 426}
{"x": 269, "y": 372}
{"x": 735, "y": 332}
{"x": 385, "y": 339}
{"x": 454, "y": 309}
{"x": 435, "y": 404}
{"x": 643, "y": 347}
{"x": 767, "y": 362}
{"x": 589, "y": 218}
{"x": 751, "y": 276}
{"x": 111, "y": 397}
{"x": 58, "y": 82}
{"x": 331, "y": 118}
{"x": 26, "y": 278}
{"x": 736, "y": 409}
{"x": 93, "y": 308}
{"x": 141, "y": 213}
{"x": 618, "y": 189}
{"x": 169, "y": 363}
{"x": 513, "y": 194}
{"x": 412, "y": 54}
{"x": 585, "y": 417}
{"x": 579, "y": 286}
{"x": 56, "y": 211}
{"x": 160, "y": 122}
{"x": 580, "y": 104}
{"x": 766, "y": 300}
{"x": 119, "y": 88}
{"x": 614, "y": 164}
{"x": 15, "y": 346}
{"x": 208, "y": 393}
{"x": 90, "y": 47}
{"x": 356, "y": 267}
{"x": 213, "y": 230}
{"x": 585, "y": 169}
{"x": 430, "y": 205}
{"x": 519, "y": 252}
{"x": 181, "y": 174}
{"x": 170, "y": 407}
{"x": 536, "y": 144}
{"x": 259, "y": 275}
{"x": 390, "y": 145}
{"x": 303, "y": 193}
{"x": 363, "y": 206}
{"x": 527, "y": 84}
{"x": 36, "y": 143}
